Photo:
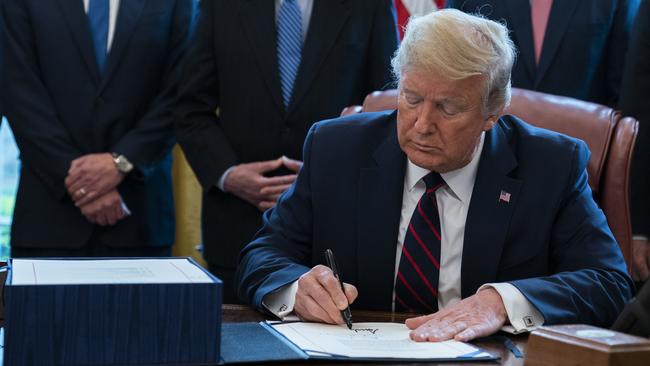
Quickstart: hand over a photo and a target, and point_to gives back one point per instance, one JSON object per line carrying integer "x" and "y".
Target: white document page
{"x": 370, "y": 340}
{"x": 105, "y": 271}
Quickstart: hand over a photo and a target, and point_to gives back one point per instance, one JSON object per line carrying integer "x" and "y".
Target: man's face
{"x": 439, "y": 121}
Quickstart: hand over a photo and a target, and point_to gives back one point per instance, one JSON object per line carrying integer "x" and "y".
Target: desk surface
{"x": 239, "y": 313}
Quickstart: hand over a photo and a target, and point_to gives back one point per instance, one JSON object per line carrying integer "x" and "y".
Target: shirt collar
{"x": 460, "y": 181}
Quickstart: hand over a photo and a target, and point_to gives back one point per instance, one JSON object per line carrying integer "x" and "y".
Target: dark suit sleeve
{"x": 383, "y": 43}
{"x": 633, "y": 102}
{"x": 590, "y": 284}
{"x": 152, "y": 137}
{"x": 45, "y": 145}
{"x": 617, "y": 47}
{"x": 197, "y": 126}
{"x": 282, "y": 250}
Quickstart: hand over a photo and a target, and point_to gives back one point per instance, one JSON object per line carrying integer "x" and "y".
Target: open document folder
{"x": 366, "y": 341}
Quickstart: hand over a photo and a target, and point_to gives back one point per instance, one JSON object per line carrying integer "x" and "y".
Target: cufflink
{"x": 528, "y": 321}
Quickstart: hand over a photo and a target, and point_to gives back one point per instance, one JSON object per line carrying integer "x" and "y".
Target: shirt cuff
{"x": 523, "y": 316}
{"x": 281, "y": 301}
{"x": 223, "y": 177}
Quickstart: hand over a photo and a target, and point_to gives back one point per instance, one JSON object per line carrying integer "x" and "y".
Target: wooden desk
{"x": 239, "y": 313}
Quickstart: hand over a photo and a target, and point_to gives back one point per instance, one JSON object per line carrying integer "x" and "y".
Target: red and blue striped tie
{"x": 416, "y": 286}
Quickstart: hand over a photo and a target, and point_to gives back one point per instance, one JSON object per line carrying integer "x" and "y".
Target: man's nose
{"x": 427, "y": 119}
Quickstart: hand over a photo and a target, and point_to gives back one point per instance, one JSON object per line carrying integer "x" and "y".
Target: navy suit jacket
{"x": 550, "y": 240}
{"x": 584, "y": 46}
{"x": 61, "y": 107}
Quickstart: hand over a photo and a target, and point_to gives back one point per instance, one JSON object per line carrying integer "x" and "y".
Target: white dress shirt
{"x": 305, "y": 8}
{"x": 113, "y": 9}
{"x": 453, "y": 201}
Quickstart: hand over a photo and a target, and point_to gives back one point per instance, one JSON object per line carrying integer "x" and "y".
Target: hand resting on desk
{"x": 479, "y": 315}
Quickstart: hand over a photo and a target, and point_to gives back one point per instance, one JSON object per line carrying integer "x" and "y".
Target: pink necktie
{"x": 539, "y": 12}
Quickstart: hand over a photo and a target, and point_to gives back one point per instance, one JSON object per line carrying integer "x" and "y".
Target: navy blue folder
{"x": 113, "y": 324}
{"x": 259, "y": 342}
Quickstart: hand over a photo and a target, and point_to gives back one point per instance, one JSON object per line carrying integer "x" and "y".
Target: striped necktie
{"x": 289, "y": 46}
{"x": 98, "y": 21}
{"x": 416, "y": 286}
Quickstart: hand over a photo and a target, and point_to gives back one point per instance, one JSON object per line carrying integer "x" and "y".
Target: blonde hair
{"x": 456, "y": 45}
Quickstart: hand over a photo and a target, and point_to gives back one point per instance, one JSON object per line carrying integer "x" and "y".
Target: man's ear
{"x": 490, "y": 122}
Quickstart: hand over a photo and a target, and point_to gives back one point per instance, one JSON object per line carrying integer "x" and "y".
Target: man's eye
{"x": 413, "y": 100}
{"x": 448, "y": 109}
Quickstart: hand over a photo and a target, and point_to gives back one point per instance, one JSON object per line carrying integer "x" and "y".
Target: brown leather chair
{"x": 610, "y": 138}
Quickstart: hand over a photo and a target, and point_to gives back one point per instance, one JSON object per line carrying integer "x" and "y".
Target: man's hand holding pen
{"x": 320, "y": 298}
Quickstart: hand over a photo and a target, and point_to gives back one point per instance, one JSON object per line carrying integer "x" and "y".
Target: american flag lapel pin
{"x": 504, "y": 197}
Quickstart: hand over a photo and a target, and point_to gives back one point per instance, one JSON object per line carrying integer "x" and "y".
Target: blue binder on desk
{"x": 64, "y": 311}
{"x": 368, "y": 342}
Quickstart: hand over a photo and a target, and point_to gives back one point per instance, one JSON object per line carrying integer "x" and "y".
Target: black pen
{"x": 331, "y": 262}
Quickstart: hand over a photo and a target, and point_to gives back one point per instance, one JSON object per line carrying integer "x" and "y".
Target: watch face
{"x": 123, "y": 165}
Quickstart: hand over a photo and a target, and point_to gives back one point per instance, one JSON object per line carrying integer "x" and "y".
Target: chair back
{"x": 610, "y": 138}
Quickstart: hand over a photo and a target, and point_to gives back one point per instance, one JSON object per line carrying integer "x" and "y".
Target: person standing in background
{"x": 89, "y": 86}
{"x": 574, "y": 48}
{"x": 634, "y": 102}
{"x": 258, "y": 76}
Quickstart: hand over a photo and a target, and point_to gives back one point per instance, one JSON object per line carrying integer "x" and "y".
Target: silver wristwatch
{"x": 122, "y": 164}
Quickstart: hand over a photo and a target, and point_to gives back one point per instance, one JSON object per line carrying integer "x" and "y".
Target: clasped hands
{"x": 92, "y": 182}
{"x": 248, "y": 182}
{"x": 320, "y": 298}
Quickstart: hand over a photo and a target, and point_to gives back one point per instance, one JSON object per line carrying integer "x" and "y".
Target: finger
{"x": 265, "y": 205}
{"x": 72, "y": 181}
{"x": 292, "y": 164}
{"x": 85, "y": 199}
{"x": 279, "y": 180}
{"x": 90, "y": 217}
{"x": 275, "y": 190}
{"x": 84, "y": 183}
{"x": 351, "y": 292}
{"x": 273, "y": 198}
{"x": 415, "y": 322}
{"x": 101, "y": 219}
{"x": 422, "y": 333}
{"x": 311, "y": 286}
{"x": 111, "y": 218}
{"x": 332, "y": 286}
{"x": 266, "y": 166}
{"x": 473, "y": 332}
{"x": 75, "y": 164}
{"x": 439, "y": 334}
{"x": 308, "y": 309}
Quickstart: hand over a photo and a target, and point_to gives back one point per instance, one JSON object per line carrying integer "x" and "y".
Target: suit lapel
{"x": 127, "y": 19}
{"x": 489, "y": 216}
{"x": 326, "y": 23}
{"x": 258, "y": 21}
{"x": 78, "y": 21}
{"x": 519, "y": 17}
{"x": 558, "y": 22}
{"x": 380, "y": 201}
